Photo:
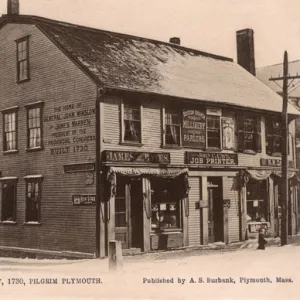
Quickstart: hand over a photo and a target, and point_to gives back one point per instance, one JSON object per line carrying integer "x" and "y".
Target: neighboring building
{"x": 264, "y": 74}
{"x": 110, "y": 136}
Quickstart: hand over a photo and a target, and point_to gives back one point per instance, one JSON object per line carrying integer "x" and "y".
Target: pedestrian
{"x": 261, "y": 239}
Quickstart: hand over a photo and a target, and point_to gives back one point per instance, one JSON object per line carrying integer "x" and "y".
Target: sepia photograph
{"x": 149, "y": 149}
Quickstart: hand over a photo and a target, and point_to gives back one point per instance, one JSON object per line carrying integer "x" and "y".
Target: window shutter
{"x": 240, "y": 132}
{"x": 269, "y": 136}
{"x": 258, "y": 133}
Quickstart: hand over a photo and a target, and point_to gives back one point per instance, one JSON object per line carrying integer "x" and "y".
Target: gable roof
{"x": 265, "y": 73}
{"x": 120, "y": 61}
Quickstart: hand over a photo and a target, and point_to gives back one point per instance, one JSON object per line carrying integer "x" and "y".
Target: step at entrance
{"x": 131, "y": 251}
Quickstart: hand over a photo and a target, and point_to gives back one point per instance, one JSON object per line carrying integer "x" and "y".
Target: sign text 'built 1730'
{"x": 215, "y": 159}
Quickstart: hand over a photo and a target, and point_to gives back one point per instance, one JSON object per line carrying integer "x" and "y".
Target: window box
{"x": 10, "y": 152}
{"x": 9, "y": 222}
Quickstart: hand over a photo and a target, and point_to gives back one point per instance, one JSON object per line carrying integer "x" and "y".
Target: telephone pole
{"x": 284, "y": 151}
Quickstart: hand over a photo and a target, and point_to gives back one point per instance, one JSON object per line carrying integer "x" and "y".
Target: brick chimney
{"x": 13, "y": 7}
{"x": 245, "y": 49}
{"x": 175, "y": 40}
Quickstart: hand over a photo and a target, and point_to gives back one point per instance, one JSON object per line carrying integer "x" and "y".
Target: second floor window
{"x": 34, "y": 127}
{"x": 10, "y": 131}
{"x": 23, "y": 59}
{"x": 132, "y": 122}
{"x": 213, "y": 132}
{"x": 273, "y": 135}
{"x": 172, "y": 127}
{"x": 249, "y": 133}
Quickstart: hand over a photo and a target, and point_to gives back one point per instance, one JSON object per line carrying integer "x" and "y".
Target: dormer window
{"x": 23, "y": 59}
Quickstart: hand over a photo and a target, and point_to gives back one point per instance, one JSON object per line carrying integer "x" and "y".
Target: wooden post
{"x": 146, "y": 214}
{"x": 115, "y": 258}
{"x": 225, "y": 223}
{"x": 243, "y": 213}
{"x": 271, "y": 204}
{"x": 284, "y": 167}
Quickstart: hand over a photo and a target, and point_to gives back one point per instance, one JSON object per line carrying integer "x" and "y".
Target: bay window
{"x": 165, "y": 205}
{"x": 257, "y": 200}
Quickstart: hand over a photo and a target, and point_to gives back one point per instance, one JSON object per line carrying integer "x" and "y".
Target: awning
{"x": 264, "y": 174}
{"x": 259, "y": 174}
{"x": 136, "y": 171}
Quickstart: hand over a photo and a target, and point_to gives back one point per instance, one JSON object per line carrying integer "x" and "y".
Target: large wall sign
{"x": 70, "y": 129}
{"x": 204, "y": 158}
{"x": 193, "y": 128}
{"x": 137, "y": 157}
{"x": 228, "y": 133}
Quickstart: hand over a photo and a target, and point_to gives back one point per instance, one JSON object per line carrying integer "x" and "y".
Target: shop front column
{"x": 243, "y": 212}
{"x": 226, "y": 205}
{"x": 204, "y": 209}
{"x": 185, "y": 202}
{"x": 111, "y": 219}
{"x": 146, "y": 214}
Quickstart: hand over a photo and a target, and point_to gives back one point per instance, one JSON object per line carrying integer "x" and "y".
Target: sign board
{"x": 215, "y": 159}
{"x": 137, "y": 157}
{"x": 228, "y": 133}
{"x": 72, "y": 168}
{"x": 214, "y": 111}
{"x": 274, "y": 162}
{"x": 84, "y": 199}
{"x": 255, "y": 226}
{"x": 193, "y": 128}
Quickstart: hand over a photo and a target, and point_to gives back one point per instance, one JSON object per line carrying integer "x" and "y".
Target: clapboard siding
{"x": 234, "y": 210}
{"x": 57, "y": 82}
{"x": 194, "y": 211}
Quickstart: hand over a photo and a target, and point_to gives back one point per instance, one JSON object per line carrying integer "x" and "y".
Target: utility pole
{"x": 284, "y": 151}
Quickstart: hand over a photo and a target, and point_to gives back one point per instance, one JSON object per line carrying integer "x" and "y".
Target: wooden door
{"x": 122, "y": 214}
{"x": 211, "y": 223}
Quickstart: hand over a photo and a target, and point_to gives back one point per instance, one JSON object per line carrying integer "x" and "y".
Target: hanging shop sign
{"x": 274, "y": 162}
{"x": 84, "y": 199}
{"x": 215, "y": 159}
{"x": 85, "y": 167}
{"x": 193, "y": 128}
{"x": 228, "y": 133}
{"x": 137, "y": 157}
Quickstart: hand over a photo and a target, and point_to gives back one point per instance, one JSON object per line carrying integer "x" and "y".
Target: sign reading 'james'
{"x": 193, "y": 128}
{"x": 137, "y": 157}
{"x": 204, "y": 158}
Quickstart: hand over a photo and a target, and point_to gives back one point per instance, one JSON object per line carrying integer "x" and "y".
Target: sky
{"x": 207, "y": 25}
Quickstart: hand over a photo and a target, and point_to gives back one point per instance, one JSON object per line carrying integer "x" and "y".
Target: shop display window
{"x": 256, "y": 200}
{"x": 165, "y": 205}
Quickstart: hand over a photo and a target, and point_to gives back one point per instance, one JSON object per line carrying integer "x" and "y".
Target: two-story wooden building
{"x": 110, "y": 136}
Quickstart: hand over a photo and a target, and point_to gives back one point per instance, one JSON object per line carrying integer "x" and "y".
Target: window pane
{"x": 32, "y": 201}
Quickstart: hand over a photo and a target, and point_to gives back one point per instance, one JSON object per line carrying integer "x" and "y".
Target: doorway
{"x": 215, "y": 209}
{"x": 129, "y": 212}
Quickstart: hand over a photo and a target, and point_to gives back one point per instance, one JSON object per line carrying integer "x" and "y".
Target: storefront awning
{"x": 264, "y": 174}
{"x": 136, "y": 171}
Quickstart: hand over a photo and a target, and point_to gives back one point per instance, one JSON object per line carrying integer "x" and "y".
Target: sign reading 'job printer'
{"x": 215, "y": 159}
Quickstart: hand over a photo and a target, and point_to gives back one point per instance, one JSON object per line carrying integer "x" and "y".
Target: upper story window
{"x": 273, "y": 135}
{"x": 172, "y": 127}
{"x": 23, "y": 59}
{"x": 249, "y": 133}
{"x": 132, "y": 127}
{"x": 10, "y": 129}
{"x": 34, "y": 126}
{"x": 213, "y": 132}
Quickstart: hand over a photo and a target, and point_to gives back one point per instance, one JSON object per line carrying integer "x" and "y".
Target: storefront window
{"x": 256, "y": 200}
{"x": 165, "y": 204}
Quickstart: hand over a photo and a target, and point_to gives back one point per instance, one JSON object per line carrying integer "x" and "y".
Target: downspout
{"x": 99, "y": 211}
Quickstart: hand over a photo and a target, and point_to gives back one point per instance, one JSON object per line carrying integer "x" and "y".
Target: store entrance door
{"x": 129, "y": 212}
{"x": 215, "y": 210}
